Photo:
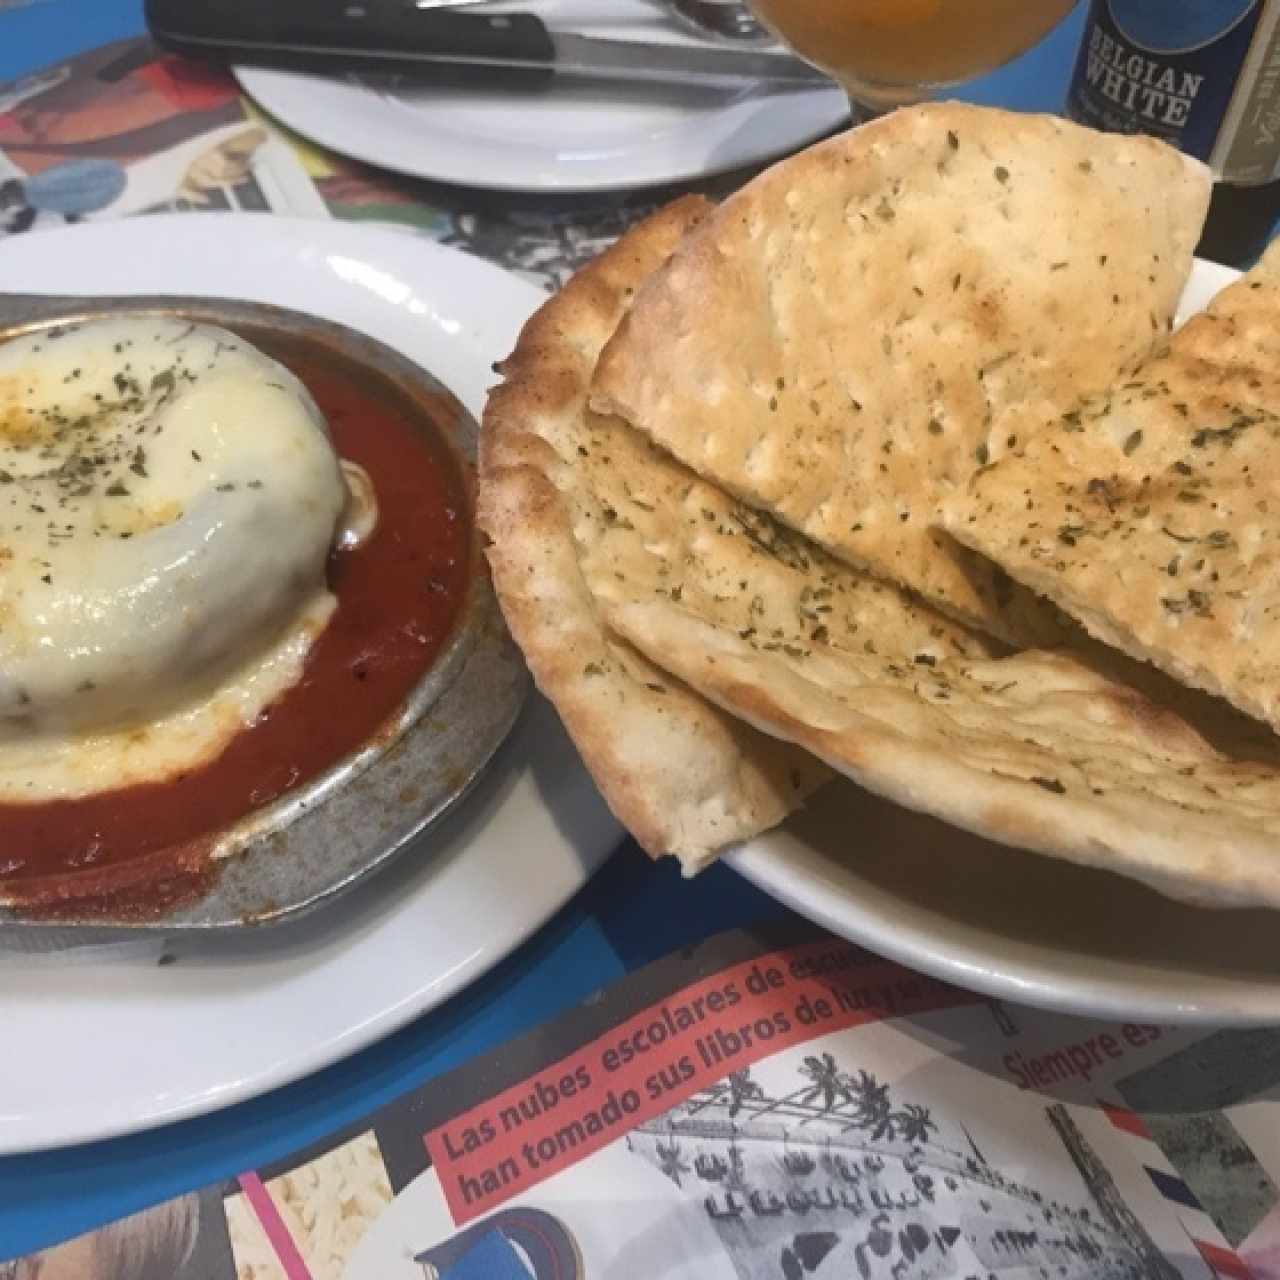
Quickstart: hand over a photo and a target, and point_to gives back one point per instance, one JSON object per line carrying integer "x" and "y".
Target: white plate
{"x": 570, "y": 138}
{"x": 1017, "y": 925}
{"x": 233, "y": 1018}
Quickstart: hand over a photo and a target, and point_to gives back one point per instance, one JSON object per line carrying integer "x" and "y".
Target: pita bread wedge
{"x": 668, "y": 535}
{"x": 1040, "y": 750}
{"x": 855, "y": 331}
{"x": 1152, "y": 514}
{"x": 682, "y": 775}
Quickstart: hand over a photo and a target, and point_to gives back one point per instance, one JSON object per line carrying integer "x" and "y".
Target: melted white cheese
{"x": 168, "y": 500}
{"x": 49, "y": 766}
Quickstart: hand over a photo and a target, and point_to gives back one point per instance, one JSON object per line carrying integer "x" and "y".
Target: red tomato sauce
{"x": 398, "y": 596}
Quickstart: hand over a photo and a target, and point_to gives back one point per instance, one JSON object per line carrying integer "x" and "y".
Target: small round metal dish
{"x": 332, "y": 831}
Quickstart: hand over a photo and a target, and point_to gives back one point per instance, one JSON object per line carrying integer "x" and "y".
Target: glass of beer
{"x": 886, "y": 53}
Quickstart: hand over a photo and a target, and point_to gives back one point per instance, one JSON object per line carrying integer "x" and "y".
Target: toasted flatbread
{"x": 1150, "y": 513}
{"x": 1041, "y": 750}
{"x": 855, "y": 331}
{"x": 680, "y": 774}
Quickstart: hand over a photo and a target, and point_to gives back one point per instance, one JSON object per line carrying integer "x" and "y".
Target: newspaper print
{"x": 121, "y": 130}
{"x": 768, "y": 1109}
{"x": 317, "y": 1211}
{"x": 125, "y": 129}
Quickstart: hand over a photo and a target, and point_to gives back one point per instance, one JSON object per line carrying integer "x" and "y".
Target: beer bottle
{"x": 1203, "y": 75}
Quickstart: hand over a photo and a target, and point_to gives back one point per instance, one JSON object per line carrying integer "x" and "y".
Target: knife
{"x": 398, "y": 37}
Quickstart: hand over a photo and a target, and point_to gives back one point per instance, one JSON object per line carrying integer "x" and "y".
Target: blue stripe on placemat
{"x": 35, "y": 35}
{"x": 1173, "y": 1188}
{"x": 45, "y": 1196}
{"x": 492, "y": 1258}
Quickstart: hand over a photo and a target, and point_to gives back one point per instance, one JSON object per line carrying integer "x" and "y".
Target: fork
{"x": 728, "y": 20}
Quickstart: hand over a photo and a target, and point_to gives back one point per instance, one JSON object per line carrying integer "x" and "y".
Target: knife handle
{"x": 379, "y": 36}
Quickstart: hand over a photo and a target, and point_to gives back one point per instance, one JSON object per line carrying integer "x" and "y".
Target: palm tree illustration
{"x": 671, "y": 1159}
{"x": 872, "y": 1109}
{"x": 861, "y": 1101}
{"x": 827, "y": 1082}
{"x": 742, "y": 1089}
{"x": 914, "y": 1123}
{"x": 738, "y": 1089}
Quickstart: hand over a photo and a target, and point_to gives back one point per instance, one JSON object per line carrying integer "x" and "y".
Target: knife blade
{"x": 396, "y": 37}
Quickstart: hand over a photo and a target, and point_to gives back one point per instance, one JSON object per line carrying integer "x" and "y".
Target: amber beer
{"x": 886, "y": 52}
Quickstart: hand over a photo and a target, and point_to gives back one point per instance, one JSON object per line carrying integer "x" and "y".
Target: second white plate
{"x": 569, "y": 138}
{"x": 234, "y": 1017}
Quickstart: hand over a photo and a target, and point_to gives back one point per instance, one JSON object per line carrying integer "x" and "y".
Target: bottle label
{"x": 1202, "y": 74}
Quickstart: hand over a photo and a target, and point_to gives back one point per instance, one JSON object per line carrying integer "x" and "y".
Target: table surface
{"x": 632, "y": 912}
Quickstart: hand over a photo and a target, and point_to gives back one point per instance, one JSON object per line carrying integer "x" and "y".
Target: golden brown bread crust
{"x": 1152, "y": 514}
{"x": 1041, "y": 751}
{"x": 852, "y": 333}
{"x": 682, "y": 776}
{"x": 604, "y": 552}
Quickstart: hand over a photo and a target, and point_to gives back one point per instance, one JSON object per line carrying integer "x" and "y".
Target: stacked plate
{"x": 571, "y": 137}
